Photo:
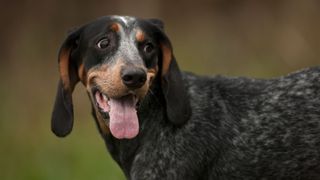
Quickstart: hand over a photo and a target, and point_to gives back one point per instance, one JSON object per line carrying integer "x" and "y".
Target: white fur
{"x": 125, "y": 19}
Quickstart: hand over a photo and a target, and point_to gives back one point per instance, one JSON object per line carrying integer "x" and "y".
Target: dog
{"x": 161, "y": 123}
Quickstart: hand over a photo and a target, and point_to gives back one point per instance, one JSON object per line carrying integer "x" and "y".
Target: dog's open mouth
{"x": 122, "y": 111}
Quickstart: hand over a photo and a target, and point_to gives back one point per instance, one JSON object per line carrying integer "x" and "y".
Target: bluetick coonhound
{"x": 161, "y": 123}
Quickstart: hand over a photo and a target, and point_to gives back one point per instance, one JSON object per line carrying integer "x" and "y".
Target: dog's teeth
{"x": 105, "y": 97}
{"x": 136, "y": 99}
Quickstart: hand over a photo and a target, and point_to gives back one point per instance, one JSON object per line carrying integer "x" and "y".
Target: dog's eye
{"x": 148, "y": 48}
{"x": 103, "y": 43}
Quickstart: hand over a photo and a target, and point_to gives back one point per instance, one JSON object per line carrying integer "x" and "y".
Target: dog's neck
{"x": 151, "y": 110}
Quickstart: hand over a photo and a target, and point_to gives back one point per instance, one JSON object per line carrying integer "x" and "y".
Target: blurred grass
{"x": 30, "y": 151}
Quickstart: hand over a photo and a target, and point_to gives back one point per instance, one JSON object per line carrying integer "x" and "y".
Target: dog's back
{"x": 260, "y": 128}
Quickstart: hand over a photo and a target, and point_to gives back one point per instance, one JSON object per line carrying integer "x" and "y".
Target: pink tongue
{"x": 123, "y": 118}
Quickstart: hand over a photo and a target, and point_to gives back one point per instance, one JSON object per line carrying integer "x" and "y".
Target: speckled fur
{"x": 240, "y": 129}
{"x": 233, "y": 129}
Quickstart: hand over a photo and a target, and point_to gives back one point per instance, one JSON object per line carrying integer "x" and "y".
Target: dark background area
{"x": 262, "y": 39}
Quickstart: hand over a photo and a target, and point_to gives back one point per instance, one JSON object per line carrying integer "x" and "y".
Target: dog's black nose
{"x": 133, "y": 77}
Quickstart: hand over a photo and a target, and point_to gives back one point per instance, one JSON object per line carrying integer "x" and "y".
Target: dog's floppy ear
{"x": 62, "y": 115}
{"x": 173, "y": 88}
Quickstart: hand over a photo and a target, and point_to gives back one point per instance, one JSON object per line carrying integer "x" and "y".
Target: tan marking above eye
{"x": 115, "y": 27}
{"x": 140, "y": 36}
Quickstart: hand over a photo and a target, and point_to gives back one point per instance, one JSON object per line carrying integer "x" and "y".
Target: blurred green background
{"x": 265, "y": 38}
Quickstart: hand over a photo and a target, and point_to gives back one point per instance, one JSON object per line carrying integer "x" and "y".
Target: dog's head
{"x": 117, "y": 59}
